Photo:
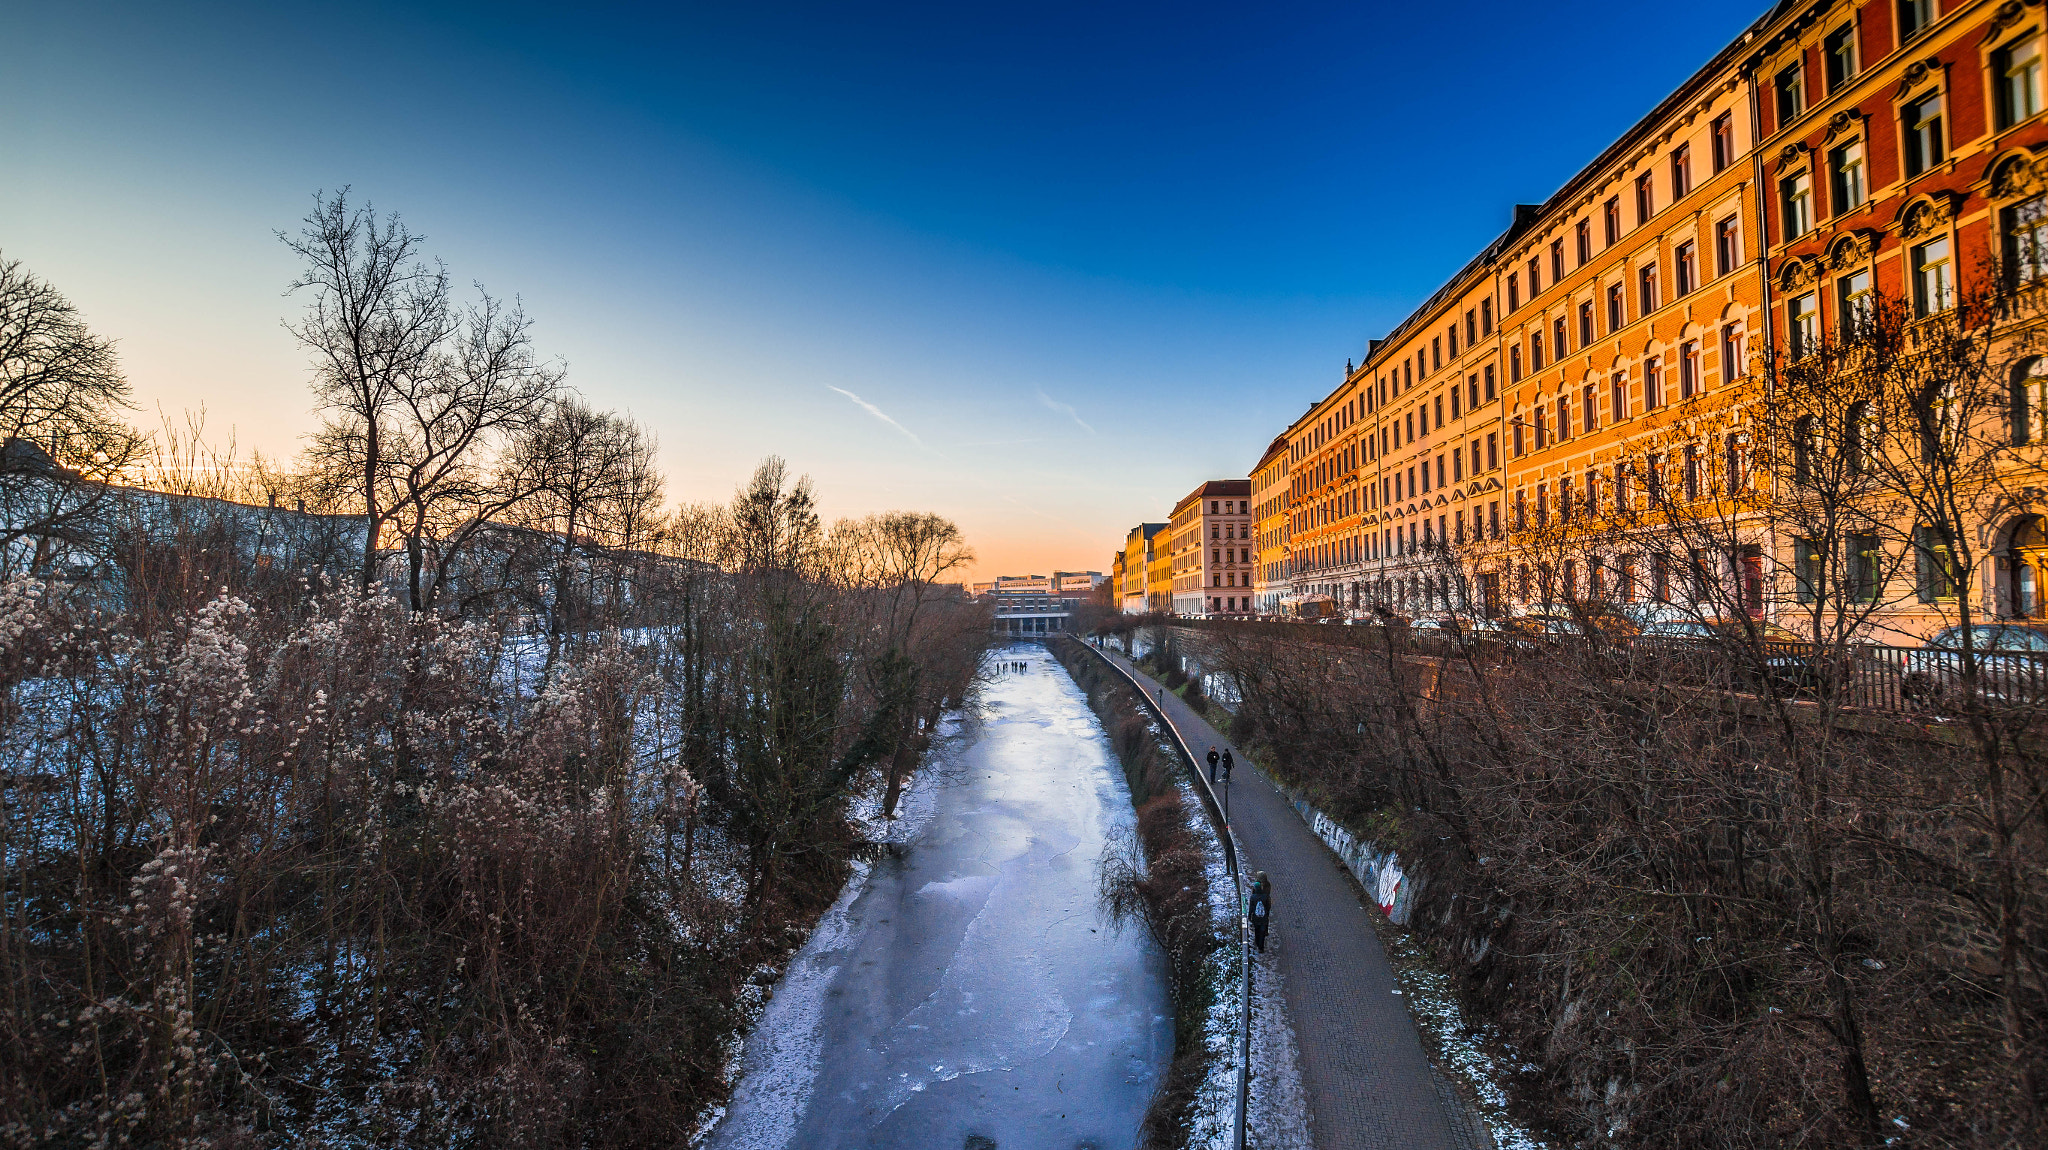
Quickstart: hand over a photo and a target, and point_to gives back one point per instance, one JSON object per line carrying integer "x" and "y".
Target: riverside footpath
{"x": 1369, "y": 1082}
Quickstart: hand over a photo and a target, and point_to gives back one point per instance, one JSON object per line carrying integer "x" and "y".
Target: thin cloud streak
{"x": 1066, "y": 409}
{"x": 878, "y": 413}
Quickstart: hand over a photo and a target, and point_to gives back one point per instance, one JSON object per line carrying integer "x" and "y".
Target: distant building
{"x": 1271, "y": 585}
{"x": 1212, "y": 555}
{"x": 1136, "y": 560}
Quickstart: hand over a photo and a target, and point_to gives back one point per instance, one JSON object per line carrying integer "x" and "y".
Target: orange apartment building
{"x": 1829, "y": 148}
{"x": 1211, "y": 546}
{"x": 1133, "y": 567}
{"x": 1270, "y": 584}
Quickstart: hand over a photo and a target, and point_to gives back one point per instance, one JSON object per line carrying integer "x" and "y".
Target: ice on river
{"x": 969, "y": 987}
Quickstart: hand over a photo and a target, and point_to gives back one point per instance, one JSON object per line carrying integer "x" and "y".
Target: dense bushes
{"x": 290, "y": 864}
{"x": 1702, "y": 920}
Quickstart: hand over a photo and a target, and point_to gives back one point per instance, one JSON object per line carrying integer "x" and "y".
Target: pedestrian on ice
{"x": 1228, "y": 763}
{"x": 1214, "y": 758}
{"x": 1258, "y": 908}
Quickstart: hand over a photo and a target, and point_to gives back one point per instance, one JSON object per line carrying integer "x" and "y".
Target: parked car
{"x": 2012, "y": 663}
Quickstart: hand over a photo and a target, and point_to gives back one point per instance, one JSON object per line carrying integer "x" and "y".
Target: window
{"x": 1478, "y": 462}
{"x": 1802, "y": 322}
{"x": 1839, "y": 50}
{"x": 1733, "y": 364}
{"x": 1536, "y": 351}
{"x": 1853, "y": 303}
{"x": 1556, "y": 260}
{"x": 1585, "y": 323}
{"x": 1685, "y": 268}
{"x": 1727, "y": 246}
{"x": 1492, "y": 456}
{"x": 1615, "y": 316}
{"x": 1688, "y": 370}
{"x": 1623, "y": 500}
{"x": 1722, "y": 131}
{"x": 1681, "y": 172}
{"x": 1471, "y": 327}
{"x": 1921, "y": 121}
{"x": 1866, "y": 567}
{"x": 1451, "y": 333}
{"x": 1610, "y": 218}
{"x": 1805, "y": 447}
{"x": 1646, "y": 204}
{"x": 1617, "y": 397}
{"x": 1845, "y": 173}
{"x": 1646, "y": 284}
{"x": 1486, "y": 317}
{"x": 2026, "y": 240}
{"x": 2028, "y": 415}
{"x": 2016, "y": 71}
{"x": 1791, "y": 89}
{"x": 1458, "y": 465}
{"x": 1515, "y": 364}
{"x": 1653, "y": 478}
{"x": 1456, "y": 395}
{"x": 1653, "y": 384}
{"x": 1735, "y": 463}
{"x": 1856, "y": 435}
{"x": 1436, "y": 354}
{"x": 1514, "y": 291}
{"x": 1809, "y": 568}
{"x": 1471, "y": 392}
{"x": 1535, "y": 279}
{"x": 1488, "y": 373}
{"x": 1692, "y": 472}
{"x": 1914, "y": 15}
{"x": 1933, "y": 278}
{"x": 1582, "y": 235}
{"x": 1538, "y": 417}
{"x": 1590, "y": 408}
{"x": 1564, "y": 417}
{"x": 1558, "y": 346}
{"x": 1795, "y": 197}
{"x": 1937, "y": 579}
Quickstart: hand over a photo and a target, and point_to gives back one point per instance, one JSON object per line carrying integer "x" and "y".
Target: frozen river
{"x": 969, "y": 995}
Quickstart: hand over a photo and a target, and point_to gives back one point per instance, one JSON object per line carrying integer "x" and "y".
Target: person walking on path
{"x": 1259, "y": 908}
{"x": 1214, "y": 758}
{"x": 1228, "y": 763}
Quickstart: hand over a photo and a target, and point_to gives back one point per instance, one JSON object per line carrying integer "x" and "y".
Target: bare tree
{"x": 60, "y": 435}
{"x": 375, "y": 322}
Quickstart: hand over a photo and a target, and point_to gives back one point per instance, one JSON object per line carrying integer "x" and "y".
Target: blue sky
{"x": 1041, "y": 268}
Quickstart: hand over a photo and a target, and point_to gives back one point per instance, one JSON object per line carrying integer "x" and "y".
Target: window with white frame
{"x": 1685, "y": 268}
{"x": 1921, "y": 121}
{"x": 1933, "y": 277}
{"x": 1802, "y": 323}
{"x": 2016, "y": 77}
{"x": 1846, "y": 176}
{"x": 1839, "y": 49}
{"x": 2026, "y": 240}
{"x": 1853, "y": 299}
{"x": 1795, "y": 196}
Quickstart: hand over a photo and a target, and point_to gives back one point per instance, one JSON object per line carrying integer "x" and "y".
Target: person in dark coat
{"x": 1214, "y": 758}
{"x": 1228, "y": 763}
{"x": 1259, "y": 907}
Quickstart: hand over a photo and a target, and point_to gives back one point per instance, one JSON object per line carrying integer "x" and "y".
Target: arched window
{"x": 2029, "y": 411}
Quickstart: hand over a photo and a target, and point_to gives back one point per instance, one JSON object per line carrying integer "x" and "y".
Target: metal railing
{"x": 1219, "y": 815}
